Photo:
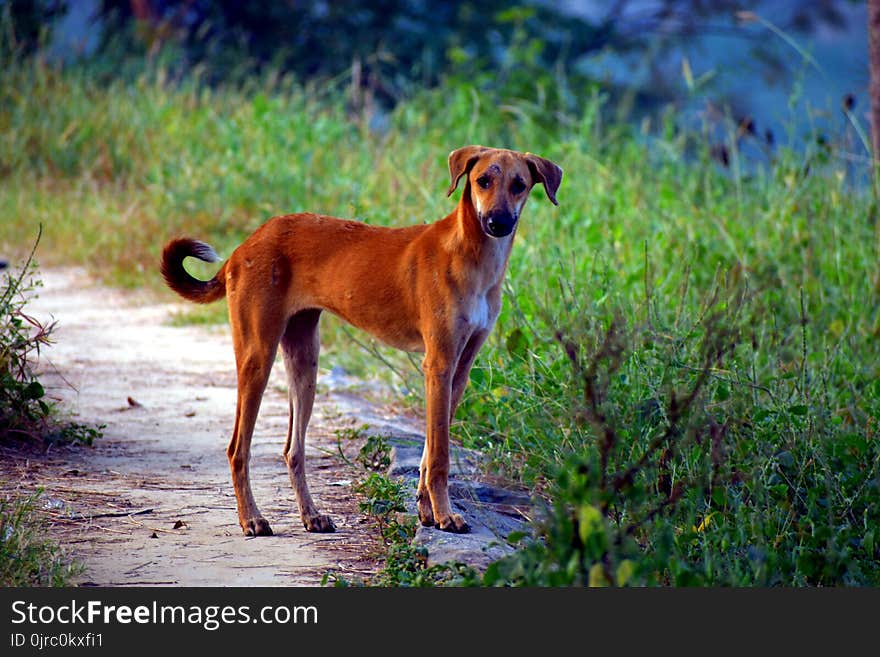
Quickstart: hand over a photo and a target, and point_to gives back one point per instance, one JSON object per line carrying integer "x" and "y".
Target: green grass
{"x": 383, "y": 501}
{"x": 749, "y": 290}
{"x": 27, "y": 558}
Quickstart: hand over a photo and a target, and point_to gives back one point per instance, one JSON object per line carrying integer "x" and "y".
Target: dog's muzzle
{"x": 498, "y": 223}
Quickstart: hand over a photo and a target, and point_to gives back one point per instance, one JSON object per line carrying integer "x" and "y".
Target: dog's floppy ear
{"x": 546, "y": 172}
{"x": 461, "y": 161}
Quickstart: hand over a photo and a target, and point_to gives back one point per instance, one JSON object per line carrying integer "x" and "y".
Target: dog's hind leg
{"x": 300, "y": 345}
{"x": 254, "y": 358}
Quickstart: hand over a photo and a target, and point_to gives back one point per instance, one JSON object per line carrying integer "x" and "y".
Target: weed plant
{"x": 27, "y": 558}
{"x": 26, "y": 412}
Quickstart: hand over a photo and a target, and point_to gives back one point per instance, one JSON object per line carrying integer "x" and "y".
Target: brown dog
{"x": 432, "y": 288}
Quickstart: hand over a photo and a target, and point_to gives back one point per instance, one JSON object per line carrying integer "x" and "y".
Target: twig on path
{"x": 79, "y": 520}
{"x": 78, "y": 491}
{"x": 132, "y": 571}
{"x": 112, "y": 514}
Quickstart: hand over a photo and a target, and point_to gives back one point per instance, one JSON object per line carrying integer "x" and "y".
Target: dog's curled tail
{"x": 180, "y": 280}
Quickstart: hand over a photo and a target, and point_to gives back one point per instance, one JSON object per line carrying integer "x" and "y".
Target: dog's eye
{"x": 518, "y": 186}
{"x": 484, "y": 182}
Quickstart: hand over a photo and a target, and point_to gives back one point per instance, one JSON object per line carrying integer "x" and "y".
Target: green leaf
{"x": 261, "y": 105}
{"x": 785, "y": 459}
{"x": 779, "y": 491}
{"x": 492, "y": 574}
{"x": 597, "y": 575}
{"x": 34, "y": 390}
{"x": 517, "y": 343}
{"x": 515, "y": 14}
{"x": 798, "y": 409}
{"x": 625, "y": 572}
{"x": 589, "y": 522}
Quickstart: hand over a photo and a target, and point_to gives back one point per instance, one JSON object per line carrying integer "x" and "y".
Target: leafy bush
{"x": 25, "y": 412}
{"x": 23, "y": 409}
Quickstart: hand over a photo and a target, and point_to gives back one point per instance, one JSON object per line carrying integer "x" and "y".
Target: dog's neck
{"x": 488, "y": 254}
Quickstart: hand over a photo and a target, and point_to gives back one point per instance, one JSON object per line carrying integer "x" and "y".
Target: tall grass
{"x": 750, "y": 290}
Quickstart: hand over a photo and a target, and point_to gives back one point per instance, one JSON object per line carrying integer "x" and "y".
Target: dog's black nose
{"x": 499, "y": 224}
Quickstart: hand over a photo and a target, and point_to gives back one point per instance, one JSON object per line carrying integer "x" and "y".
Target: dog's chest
{"x": 479, "y": 316}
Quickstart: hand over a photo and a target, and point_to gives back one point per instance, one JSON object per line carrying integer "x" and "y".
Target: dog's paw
{"x": 455, "y": 524}
{"x": 256, "y": 527}
{"x": 319, "y": 523}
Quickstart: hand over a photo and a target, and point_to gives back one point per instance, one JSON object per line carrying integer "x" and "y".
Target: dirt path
{"x": 152, "y": 503}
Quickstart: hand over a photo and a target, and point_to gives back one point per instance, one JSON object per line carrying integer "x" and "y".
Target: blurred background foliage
{"x": 712, "y": 56}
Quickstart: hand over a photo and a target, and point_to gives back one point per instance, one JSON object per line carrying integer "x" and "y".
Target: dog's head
{"x": 499, "y": 182}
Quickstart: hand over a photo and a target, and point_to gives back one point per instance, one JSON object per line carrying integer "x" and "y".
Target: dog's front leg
{"x": 433, "y": 493}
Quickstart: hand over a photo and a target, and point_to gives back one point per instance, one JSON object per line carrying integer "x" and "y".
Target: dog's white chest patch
{"x": 479, "y": 315}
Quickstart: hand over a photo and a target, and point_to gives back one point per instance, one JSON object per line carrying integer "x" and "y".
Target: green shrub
{"x": 25, "y": 413}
